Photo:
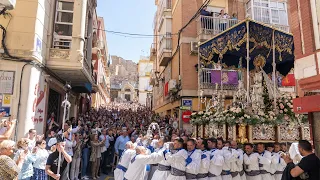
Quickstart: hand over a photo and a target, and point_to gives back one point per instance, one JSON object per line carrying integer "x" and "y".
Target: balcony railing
{"x": 62, "y": 42}
{"x": 165, "y": 43}
{"x": 207, "y": 83}
{"x": 165, "y": 5}
{"x": 208, "y": 25}
{"x": 282, "y": 27}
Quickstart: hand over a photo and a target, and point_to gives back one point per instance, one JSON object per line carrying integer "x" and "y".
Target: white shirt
{"x": 126, "y": 157}
{"x": 194, "y": 166}
{"x": 41, "y": 159}
{"x": 216, "y": 162}
{"x": 137, "y": 165}
{"x": 278, "y": 164}
{"x": 205, "y": 162}
{"x": 265, "y": 159}
{"x": 251, "y": 162}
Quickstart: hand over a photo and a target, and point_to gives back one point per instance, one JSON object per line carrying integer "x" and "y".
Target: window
{"x": 63, "y": 24}
{"x": 268, "y": 11}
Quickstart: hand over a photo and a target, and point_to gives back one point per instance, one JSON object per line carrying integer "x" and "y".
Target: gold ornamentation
{"x": 283, "y": 43}
{"x": 242, "y": 134}
{"x": 259, "y": 61}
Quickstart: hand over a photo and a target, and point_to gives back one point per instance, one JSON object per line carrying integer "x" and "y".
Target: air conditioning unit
{"x": 172, "y": 84}
{"x": 8, "y": 4}
{"x": 194, "y": 48}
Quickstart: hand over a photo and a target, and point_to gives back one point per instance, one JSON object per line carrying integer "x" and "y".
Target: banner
{"x": 228, "y": 77}
{"x": 289, "y": 80}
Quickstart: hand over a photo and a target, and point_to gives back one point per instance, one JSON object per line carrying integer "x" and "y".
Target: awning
{"x": 230, "y": 47}
{"x": 82, "y": 88}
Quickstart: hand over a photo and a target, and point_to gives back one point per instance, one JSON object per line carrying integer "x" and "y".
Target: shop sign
{"x": 6, "y": 82}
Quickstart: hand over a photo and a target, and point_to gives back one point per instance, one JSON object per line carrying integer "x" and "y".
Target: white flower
{"x": 201, "y": 112}
{"x": 285, "y": 110}
{"x": 281, "y": 111}
{"x": 193, "y": 114}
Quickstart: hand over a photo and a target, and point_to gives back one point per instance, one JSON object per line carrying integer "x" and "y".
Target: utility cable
{"x": 133, "y": 34}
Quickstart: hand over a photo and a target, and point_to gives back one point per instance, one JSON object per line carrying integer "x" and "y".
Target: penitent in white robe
{"x": 216, "y": 163}
{"x": 265, "y": 159}
{"x": 161, "y": 174}
{"x": 137, "y": 166}
{"x": 194, "y": 166}
{"x": 279, "y": 165}
{"x": 204, "y": 165}
{"x": 251, "y": 162}
{"x": 124, "y": 161}
{"x": 230, "y": 156}
{"x": 178, "y": 161}
{"x": 240, "y": 164}
{"x": 234, "y": 164}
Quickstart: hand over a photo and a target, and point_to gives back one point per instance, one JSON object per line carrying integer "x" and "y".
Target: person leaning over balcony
{"x": 223, "y": 20}
{"x": 204, "y": 20}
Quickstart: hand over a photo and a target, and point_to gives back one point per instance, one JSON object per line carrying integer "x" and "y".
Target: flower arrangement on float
{"x": 283, "y": 114}
{"x": 285, "y": 108}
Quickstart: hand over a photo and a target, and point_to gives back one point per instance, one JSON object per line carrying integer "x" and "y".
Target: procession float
{"x": 239, "y": 67}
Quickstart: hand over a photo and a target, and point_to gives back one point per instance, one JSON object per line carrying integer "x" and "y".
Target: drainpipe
{"x": 315, "y": 22}
{"x": 78, "y": 31}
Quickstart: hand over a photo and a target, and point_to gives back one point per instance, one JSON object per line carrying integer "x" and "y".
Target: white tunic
{"x": 161, "y": 174}
{"x": 234, "y": 164}
{"x": 279, "y": 165}
{"x": 194, "y": 166}
{"x": 178, "y": 161}
{"x": 265, "y": 161}
{"x": 230, "y": 157}
{"x": 124, "y": 161}
{"x": 240, "y": 164}
{"x": 251, "y": 163}
{"x": 216, "y": 163}
{"x": 205, "y": 163}
{"x": 137, "y": 166}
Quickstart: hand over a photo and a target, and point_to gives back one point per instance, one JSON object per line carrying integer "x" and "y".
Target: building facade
{"x": 124, "y": 80}
{"x": 101, "y": 63}
{"x": 56, "y": 47}
{"x": 306, "y": 30}
{"x": 175, "y": 76}
{"x": 145, "y": 67}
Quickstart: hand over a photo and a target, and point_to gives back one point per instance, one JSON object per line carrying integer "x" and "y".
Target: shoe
{"x": 85, "y": 178}
{"x": 98, "y": 177}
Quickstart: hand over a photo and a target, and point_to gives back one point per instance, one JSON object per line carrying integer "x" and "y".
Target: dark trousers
{"x": 103, "y": 166}
{"x": 110, "y": 155}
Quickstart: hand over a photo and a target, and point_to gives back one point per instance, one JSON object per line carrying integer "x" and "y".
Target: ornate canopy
{"x": 231, "y": 47}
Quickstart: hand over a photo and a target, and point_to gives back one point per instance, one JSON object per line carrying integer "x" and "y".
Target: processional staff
{"x": 66, "y": 106}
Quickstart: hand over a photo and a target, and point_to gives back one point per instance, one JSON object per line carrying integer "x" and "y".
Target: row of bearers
{"x": 203, "y": 159}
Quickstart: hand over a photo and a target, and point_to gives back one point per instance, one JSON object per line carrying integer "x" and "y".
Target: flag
{"x": 289, "y": 80}
{"x": 166, "y": 89}
{"x": 228, "y": 77}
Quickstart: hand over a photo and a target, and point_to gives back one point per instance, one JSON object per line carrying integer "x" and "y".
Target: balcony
{"x": 273, "y": 13}
{"x": 209, "y": 87}
{"x": 209, "y": 26}
{"x": 165, "y": 8}
{"x": 165, "y": 50}
{"x": 76, "y": 71}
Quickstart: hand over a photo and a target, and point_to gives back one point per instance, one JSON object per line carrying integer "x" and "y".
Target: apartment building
{"x": 145, "y": 66}
{"x": 177, "y": 79}
{"x": 101, "y": 64}
{"x": 49, "y": 43}
{"x": 305, "y": 17}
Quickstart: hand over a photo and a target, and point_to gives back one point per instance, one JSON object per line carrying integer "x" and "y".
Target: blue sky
{"x": 132, "y": 16}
